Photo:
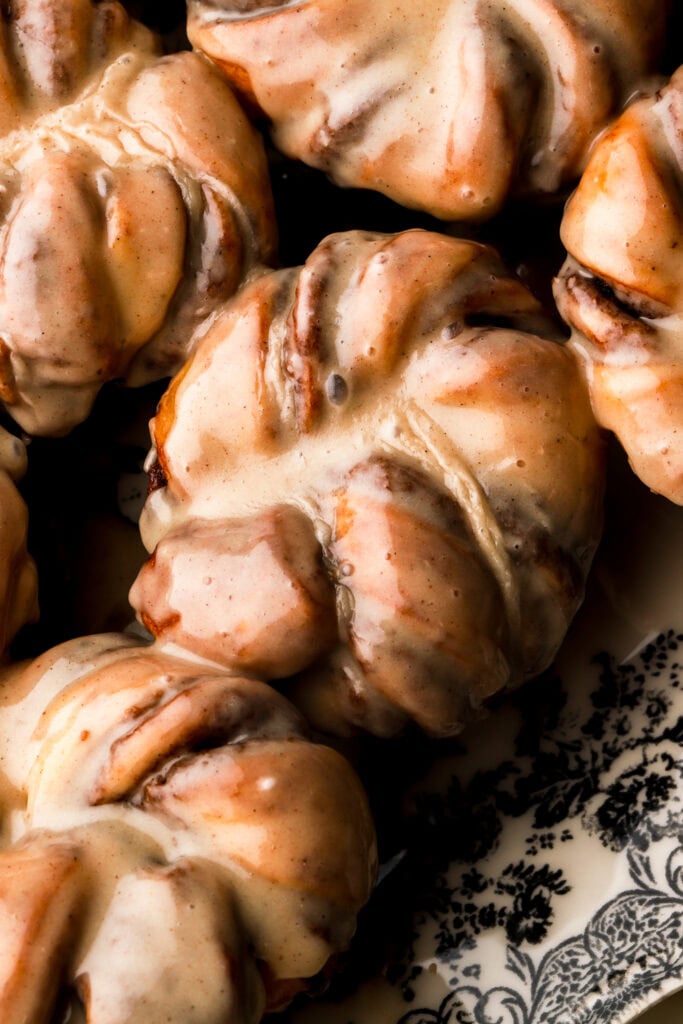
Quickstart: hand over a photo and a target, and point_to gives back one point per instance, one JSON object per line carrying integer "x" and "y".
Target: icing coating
{"x": 375, "y": 468}
{"x": 621, "y": 288}
{"x": 50, "y": 51}
{"x": 448, "y": 106}
{"x": 176, "y": 848}
{"x": 134, "y": 198}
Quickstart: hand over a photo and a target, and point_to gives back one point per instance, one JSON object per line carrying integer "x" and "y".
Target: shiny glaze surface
{"x": 363, "y": 474}
{"x": 622, "y": 286}
{"x": 115, "y": 163}
{"x": 175, "y": 848}
{"x": 49, "y": 52}
{"x": 448, "y": 106}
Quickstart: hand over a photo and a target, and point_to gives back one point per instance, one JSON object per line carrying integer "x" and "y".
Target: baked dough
{"x": 448, "y": 106}
{"x": 134, "y": 197}
{"x": 176, "y": 849}
{"x": 50, "y": 51}
{"x": 621, "y": 289}
{"x": 18, "y": 582}
{"x": 379, "y": 469}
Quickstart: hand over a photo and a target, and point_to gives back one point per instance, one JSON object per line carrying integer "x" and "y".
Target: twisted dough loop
{"x": 448, "y": 106}
{"x": 118, "y": 164}
{"x": 371, "y": 470}
{"x": 184, "y": 855}
{"x": 621, "y": 289}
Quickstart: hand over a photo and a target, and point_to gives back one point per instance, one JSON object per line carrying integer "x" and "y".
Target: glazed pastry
{"x": 448, "y": 106}
{"x": 177, "y": 851}
{"x": 621, "y": 289}
{"x": 50, "y": 52}
{"x": 134, "y": 197}
{"x": 18, "y": 582}
{"x": 376, "y": 470}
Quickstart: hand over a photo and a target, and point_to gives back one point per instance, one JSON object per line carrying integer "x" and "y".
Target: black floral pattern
{"x": 609, "y": 763}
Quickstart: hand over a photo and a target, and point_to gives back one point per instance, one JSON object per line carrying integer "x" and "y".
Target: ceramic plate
{"x": 532, "y": 869}
{"x": 535, "y": 870}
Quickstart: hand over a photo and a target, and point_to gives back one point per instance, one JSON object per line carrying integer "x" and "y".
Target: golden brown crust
{"x": 133, "y": 200}
{"x": 440, "y": 457}
{"x": 622, "y": 287}
{"x": 447, "y": 106}
{"x": 18, "y": 583}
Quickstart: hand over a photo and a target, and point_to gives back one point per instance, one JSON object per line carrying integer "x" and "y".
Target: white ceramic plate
{"x": 540, "y": 875}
